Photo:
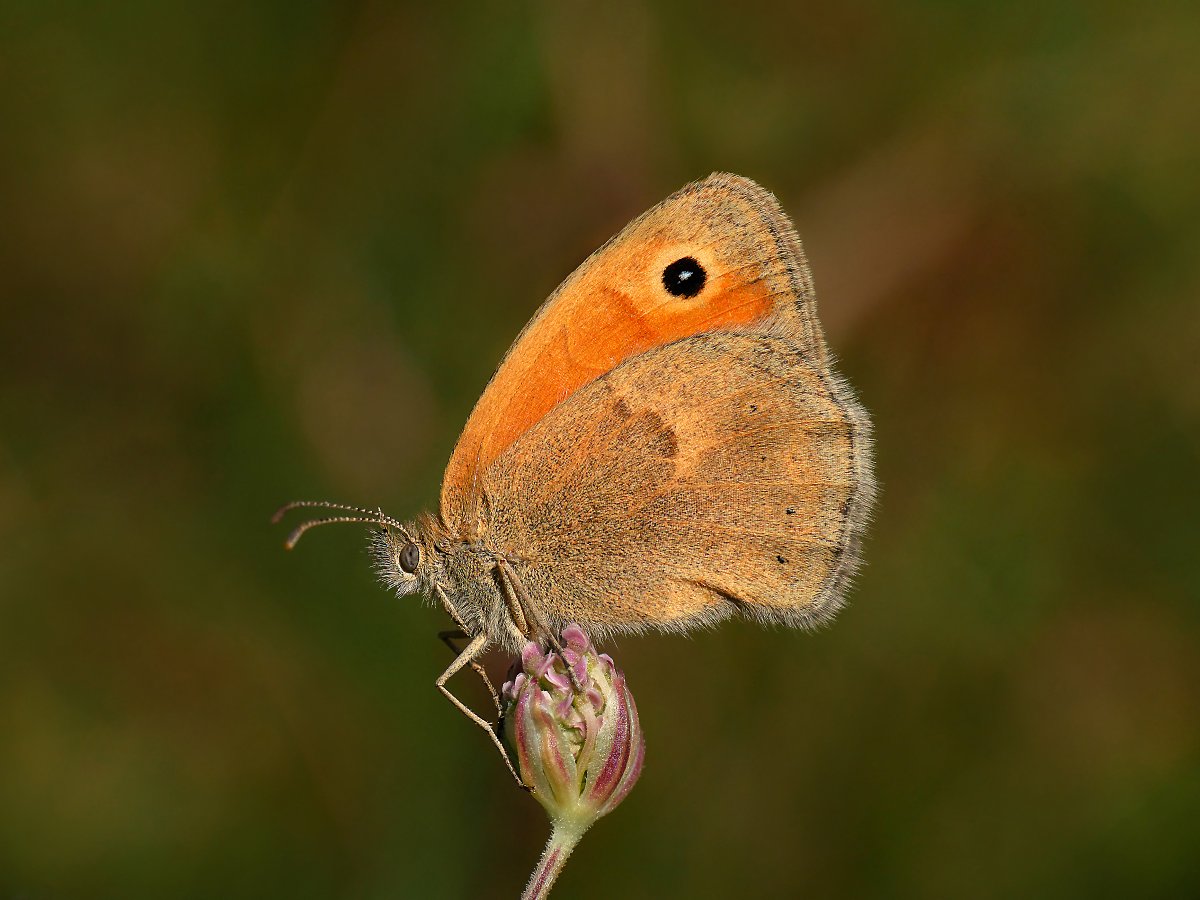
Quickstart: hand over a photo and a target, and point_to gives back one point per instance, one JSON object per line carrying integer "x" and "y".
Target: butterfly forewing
{"x": 725, "y": 234}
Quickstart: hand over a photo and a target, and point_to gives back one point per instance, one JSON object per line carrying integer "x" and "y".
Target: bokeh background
{"x": 252, "y": 252}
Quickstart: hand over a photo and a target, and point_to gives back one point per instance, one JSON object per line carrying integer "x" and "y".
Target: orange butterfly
{"x": 665, "y": 445}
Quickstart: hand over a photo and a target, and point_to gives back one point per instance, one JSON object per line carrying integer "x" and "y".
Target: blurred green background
{"x": 252, "y": 252}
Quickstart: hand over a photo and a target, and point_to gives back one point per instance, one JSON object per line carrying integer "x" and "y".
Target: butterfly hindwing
{"x": 720, "y": 472}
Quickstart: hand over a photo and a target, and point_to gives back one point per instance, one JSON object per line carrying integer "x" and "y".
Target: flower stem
{"x": 563, "y": 838}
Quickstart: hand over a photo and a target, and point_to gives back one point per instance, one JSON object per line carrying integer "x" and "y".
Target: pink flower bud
{"x": 573, "y": 730}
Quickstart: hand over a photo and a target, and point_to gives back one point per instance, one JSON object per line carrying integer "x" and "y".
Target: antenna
{"x": 365, "y": 517}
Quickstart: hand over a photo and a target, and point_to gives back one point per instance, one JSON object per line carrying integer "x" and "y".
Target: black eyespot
{"x": 684, "y": 278}
{"x": 410, "y": 558}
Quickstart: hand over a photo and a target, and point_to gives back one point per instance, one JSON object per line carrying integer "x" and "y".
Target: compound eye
{"x": 409, "y": 558}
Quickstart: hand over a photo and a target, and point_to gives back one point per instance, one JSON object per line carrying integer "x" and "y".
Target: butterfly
{"x": 666, "y": 445}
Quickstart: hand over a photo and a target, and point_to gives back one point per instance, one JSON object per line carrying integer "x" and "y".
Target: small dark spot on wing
{"x": 648, "y": 430}
{"x": 666, "y": 443}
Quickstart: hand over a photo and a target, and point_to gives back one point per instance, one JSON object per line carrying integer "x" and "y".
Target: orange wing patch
{"x": 616, "y": 306}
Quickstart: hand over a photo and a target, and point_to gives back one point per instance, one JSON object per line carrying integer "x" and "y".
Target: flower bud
{"x": 573, "y": 731}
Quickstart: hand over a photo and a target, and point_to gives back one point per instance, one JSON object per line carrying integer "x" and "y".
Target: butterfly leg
{"x": 458, "y": 634}
{"x": 472, "y": 650}
{"x": 516, "y": 609}
{"x": 523, "y": 610}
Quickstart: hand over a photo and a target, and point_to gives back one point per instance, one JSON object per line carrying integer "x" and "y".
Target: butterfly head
{"x": 404, "y": 558}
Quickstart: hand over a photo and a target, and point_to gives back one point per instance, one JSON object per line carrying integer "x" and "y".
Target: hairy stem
{"x": 563, "y": 838}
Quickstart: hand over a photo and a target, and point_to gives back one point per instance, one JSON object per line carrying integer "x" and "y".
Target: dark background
{"x": 250, "y": 252}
